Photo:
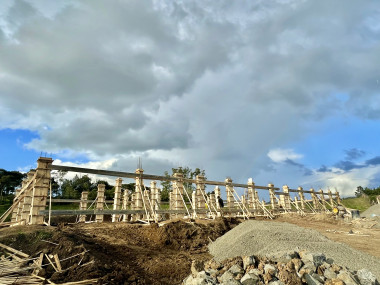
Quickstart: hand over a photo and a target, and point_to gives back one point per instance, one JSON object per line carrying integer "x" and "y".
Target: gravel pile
{"x": 273, "y": 239}
{"x": 373, "y": 210}
{"x": 295, "y": 268}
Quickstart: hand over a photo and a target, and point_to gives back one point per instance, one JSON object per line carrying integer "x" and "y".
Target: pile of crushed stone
{"x": 272, "y": 239}
{"x": 294, "y": 268}
{"x": 374, "y": 210}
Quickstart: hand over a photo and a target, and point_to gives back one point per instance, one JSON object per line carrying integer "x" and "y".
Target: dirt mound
{"x": 120, "y": 253}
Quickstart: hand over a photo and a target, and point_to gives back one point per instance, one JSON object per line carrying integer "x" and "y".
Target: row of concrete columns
{"x": 32, "y": 198}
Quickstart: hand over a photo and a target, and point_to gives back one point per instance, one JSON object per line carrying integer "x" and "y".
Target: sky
{"x": 281, "y": 91}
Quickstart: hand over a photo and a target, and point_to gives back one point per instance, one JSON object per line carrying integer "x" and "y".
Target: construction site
{"x": 194, "y": 239}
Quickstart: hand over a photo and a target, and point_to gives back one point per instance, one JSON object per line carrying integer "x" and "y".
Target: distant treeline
{"x": 372, "y": 193}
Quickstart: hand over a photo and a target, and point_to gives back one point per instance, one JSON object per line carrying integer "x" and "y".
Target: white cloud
{"x": 281, "y": 155}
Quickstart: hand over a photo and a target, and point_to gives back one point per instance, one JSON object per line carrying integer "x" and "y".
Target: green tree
{"x": 9, "y": 181}
{"x": 188, "y": 173}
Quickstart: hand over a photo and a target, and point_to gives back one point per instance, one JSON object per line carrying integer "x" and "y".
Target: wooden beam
{"x": 15, "y": 251}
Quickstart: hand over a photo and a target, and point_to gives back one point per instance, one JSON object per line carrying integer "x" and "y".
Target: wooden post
{"x": 272, "y": 196}
{"x": 40, "y": 190}
{"x": 83, "y": 205}
{"x": 100, "y": 203}
{"x": 16, "y": 213}
{"x": 302, "y": 197}
{"x": 117, "y": 199}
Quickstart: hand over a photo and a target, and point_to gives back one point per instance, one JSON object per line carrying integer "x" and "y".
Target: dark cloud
{"x": 373, "y": 161}
{"x": 306, "y": 171}
{"x": 324, "y": 168}
{"x": 354, "y": 153}
{"x": 347, "y": 165}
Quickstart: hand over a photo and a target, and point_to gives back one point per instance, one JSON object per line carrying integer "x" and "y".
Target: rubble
{"x": 304, "y": 268}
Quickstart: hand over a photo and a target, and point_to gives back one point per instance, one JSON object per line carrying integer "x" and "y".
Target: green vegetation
{"x": 187, "y": 173}
{"x": 361, "y": 203}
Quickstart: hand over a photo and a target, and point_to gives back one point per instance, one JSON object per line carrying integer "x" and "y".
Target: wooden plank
{"x": 20, "y": 253}
{"x": 56, "y": 259}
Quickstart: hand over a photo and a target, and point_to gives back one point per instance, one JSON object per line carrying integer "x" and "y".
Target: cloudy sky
{"x": 283, "y": 91}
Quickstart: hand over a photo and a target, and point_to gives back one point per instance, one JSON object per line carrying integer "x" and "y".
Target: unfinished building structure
{"x": 32, "y": 203}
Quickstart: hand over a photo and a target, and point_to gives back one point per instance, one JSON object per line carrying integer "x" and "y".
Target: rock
{"x": 228, "y": 279}
{"x": 330, "y": 260}
{"x": 277, "y": 282}
{"x": 270, "y": 269}
{"x": 196, "y": 266}
{"x": 248, "y": 260}
{"x": 202, "y": 278}
{"x": 329, "y": 273}
{"x": 316, "y": 258}
{"x": 347, "y": 277}
{"x": 249, "y": 279}
{"x": 308, "y": 267}
{"x": 335, "y": 268}
{"x": 366, "y": 277}
{"x": 297, "y": 263}
{"x": 334, "y": 281}
{"x": 213, "y": 264}
{"x": 318, "y": 277}
{"x": 284, "y": 256}
{"x": 236, "y": 269}
{"x": 311, "y": 280}
{"x": 188, "y": 280}
{"x": 255, "y": 271}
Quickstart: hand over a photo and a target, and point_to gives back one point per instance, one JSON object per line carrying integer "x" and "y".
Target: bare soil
{"x": 360, "y": 238}
{"x": 120, "y": 253}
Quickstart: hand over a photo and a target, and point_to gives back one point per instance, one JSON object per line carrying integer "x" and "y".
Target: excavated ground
{"x": 120, "y": 253}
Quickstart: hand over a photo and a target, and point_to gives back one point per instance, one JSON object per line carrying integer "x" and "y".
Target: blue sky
{"x": 283, "y": 91}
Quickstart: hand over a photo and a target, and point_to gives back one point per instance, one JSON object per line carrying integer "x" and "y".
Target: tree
{"x": 359, "y": 191}
{"x": 9, "y": 181}
{"x": 188, "y": 173}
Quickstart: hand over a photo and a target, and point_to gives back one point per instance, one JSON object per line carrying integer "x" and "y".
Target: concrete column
{"x": 125, "y": 205}
{"x": 256, "y": 204}
{"x": 251, "y": 194}
{"x": 16, "y": 213}
{"x": 322, "y": 195}
{"x": 330, "y": 198}
{"x": 296, "y": 202}
{"x": 138, "y": 198}
{"x": 195, "y": 200}
{"x": 314, "y": 199}
{"x": 212, "y": 202}
{"x": 117, "y": 199}
{"x": 200, "y": 194}
{"x": 287, "y": 204}
{"x": 40, "y": 190}
{"x": 272, "y": 196}
{"x": 178, "y": 192}
{"x": 337, "y": 197}
{"x": 154, "y": 194}
{"x": 302, "y": 197}
{"x": 83, "y": 205}
{"x": 100, "y": 203}
{"x": 230, "y": 195}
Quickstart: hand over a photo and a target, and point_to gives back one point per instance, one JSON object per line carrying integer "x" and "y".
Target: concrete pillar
{"x": 138, "y": 195}
{"x": 251, "y": 194}
{"x": 272, "y": 196}
{"x": 117, "y": 199}
{"x": 217, "y": 194}
{"x": 83, "y": 205}
{"x": 314, "y": 199}
{"x": 178, "y": 192}
{"x": 337, "y": 197}
{"x": 40, "y": 190}
{"x": 330, "y": 198}
{"x": 287, "y": 205}
{"x": 200, "y": 194}
{"x": 296, "y": 202}
{"x": 16, "y": 213}
{"x": 125, "y": 206}
{"x": 195, "y": 200}
{"x": 100, "y": 203}
{"x": 230, "y": 195}
{"x": 322, "y": 195}
{"x": 154, "y": 194}
{"x": 302, "y": 197}
{"x": 256, "y": 204}
{"x": 212, "y": 202}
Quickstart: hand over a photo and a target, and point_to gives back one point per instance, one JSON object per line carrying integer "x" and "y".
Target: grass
{"x": 359, "y": 203}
